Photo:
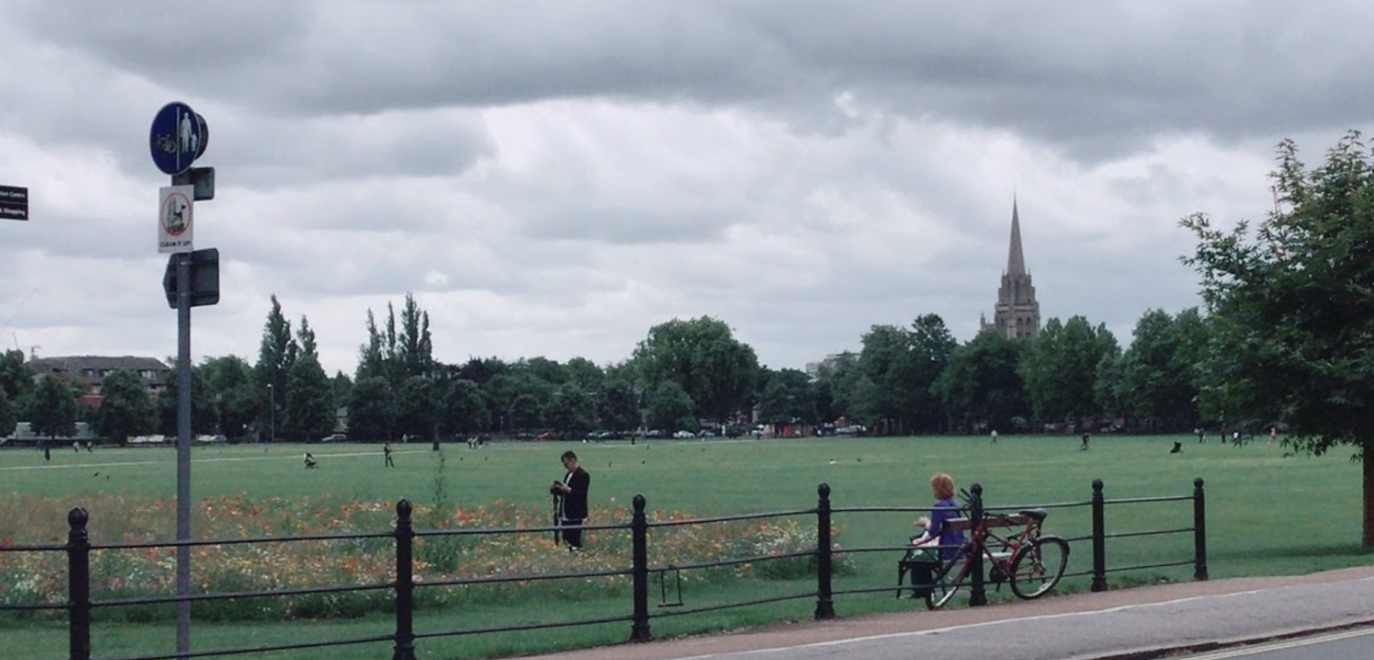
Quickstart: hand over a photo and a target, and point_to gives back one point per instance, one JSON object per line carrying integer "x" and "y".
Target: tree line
{"x": 685, "y": 374}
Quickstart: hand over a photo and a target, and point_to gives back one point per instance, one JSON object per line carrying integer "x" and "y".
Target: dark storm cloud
{"x": 1093, "y": 78}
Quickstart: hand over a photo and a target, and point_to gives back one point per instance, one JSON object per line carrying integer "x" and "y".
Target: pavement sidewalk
{"x": 1135, "y": 623}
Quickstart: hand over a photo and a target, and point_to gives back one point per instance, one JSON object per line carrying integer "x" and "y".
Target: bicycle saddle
{"x": 1037, "y": 514}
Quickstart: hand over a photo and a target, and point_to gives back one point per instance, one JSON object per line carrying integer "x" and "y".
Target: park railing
{"x": 640, "y": 572}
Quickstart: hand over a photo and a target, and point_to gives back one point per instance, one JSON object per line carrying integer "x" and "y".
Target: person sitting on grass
{"x": 309, "y": 460}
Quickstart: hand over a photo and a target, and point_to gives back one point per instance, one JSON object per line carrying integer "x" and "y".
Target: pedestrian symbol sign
{"x": 177, "y": 138}
{"x": 175, "y": 219}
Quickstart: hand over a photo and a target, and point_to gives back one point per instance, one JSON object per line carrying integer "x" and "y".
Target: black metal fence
{"x": 80, "y": 604}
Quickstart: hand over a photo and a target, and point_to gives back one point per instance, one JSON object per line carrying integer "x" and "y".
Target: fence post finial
{"x": 825, "y": 603}
{"x": 639, "y": 571}
{"x": 1099, "y": 510}
{"x": 978, "y": 594}
{"x": 405, "y": 584}
{"x": 79, "y": 584}
{"x": 1199, "y": 531}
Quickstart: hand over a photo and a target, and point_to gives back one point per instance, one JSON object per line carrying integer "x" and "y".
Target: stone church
{"x": 1017, "y": 313}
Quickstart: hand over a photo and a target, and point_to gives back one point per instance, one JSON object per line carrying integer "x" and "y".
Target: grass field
{"x": 1267, "y": 514}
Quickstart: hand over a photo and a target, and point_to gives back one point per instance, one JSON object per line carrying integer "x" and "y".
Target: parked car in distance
{"x": 684, "y": 434}
{"x": 335, "y": 437}
{"x": 547, "y": 435}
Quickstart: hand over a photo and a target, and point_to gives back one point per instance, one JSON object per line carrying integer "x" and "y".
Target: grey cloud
{"x": 1097, "y": 80}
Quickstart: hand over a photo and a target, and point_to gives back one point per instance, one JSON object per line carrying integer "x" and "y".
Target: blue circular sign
{"x": 177, "y": 138}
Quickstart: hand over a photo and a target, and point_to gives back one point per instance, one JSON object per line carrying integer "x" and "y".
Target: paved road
{"x": 1344, "y": 645}
{"x": 1124, "y": 624}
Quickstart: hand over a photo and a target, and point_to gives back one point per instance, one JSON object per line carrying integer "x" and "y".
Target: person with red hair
{"x": 945, "y": 509}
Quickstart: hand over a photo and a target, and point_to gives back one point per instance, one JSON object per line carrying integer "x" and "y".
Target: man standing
{"x": 386, "y": 449}
{"x": 572, "y": 500}
{"x": 994, "y": 436}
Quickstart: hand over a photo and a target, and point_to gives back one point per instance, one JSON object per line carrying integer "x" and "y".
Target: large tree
{"x": 571, "y": 412}
{"x": 903, "y": 364}
{"x": 204, "y": 412}
{"x": 882, "y": 363}
{"x": 276, "y": 353}
{"x": 370, "y": 413}
{"x": 836, "y": 378}
{"x": 236, "y": 394}
{"x": 54, "y": 410}
{"x": 1060, "y": 369}
{"x": 8, "y": 420}
{"x": 618, "y": 404}
{"x": 702, "y": 356}
{"x": 125, "y": 410}
{"x": 670, "y": 408}
{"x": 394, "y": 355}
{"x": 16, "y": 379}
{"x": 465, "y": 408}
{"x": 1292, "y": 309}
{"x": 981, "y": 384}
{"x": 418, "y": 407}
{"x": 929, "y": 352}
{"x": 788, "y": 397}
{"x": 1157, "y": 375}
{"x": 309, "y": 410}
{"x": 414, "y": 348}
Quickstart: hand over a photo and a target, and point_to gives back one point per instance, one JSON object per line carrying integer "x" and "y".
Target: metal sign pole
{"x": 183, "y": 452}
{"x": 176, "y": 139}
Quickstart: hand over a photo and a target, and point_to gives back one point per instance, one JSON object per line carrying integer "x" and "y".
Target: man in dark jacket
{"x": 572, "y": 495}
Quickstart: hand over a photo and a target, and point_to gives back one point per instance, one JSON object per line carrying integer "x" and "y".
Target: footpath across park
{"x": 1134, "y": 623}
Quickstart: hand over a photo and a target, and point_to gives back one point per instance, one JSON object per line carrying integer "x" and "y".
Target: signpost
{"x": 14, "y": 203}
{"x": 177, "y": 138}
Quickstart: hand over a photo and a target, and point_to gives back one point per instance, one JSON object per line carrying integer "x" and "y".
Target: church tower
{"x": 1017, "y": 314}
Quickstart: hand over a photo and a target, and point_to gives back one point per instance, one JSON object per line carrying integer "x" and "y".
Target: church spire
{"x": 1016, "y": 261}
{"x": 1017, "y": 313}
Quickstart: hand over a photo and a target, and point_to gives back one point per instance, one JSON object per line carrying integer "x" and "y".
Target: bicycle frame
{"x": 1000, "y": 554}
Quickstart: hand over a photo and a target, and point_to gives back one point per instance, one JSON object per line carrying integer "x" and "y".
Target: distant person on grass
{"x": 994, "y": 436}
{"x": 1084, "y": 445}
{"x": 386, "y": 449}
{"x": 309, "y": 461}
{"x": 571, "y": 500}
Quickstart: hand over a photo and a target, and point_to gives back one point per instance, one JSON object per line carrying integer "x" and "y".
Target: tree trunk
{"x": 1368, "y": 463}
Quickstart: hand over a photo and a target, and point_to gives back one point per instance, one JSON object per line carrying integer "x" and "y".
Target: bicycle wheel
{"x": 948, "y": 580}
{"x": 1037, "y": 567}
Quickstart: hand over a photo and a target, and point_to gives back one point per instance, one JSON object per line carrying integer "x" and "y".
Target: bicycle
{"x": 1030, "y": 562}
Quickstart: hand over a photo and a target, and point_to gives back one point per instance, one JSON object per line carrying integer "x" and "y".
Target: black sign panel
{"x": 204, "y": 277}
{"x": 203, "y": 178}
{"x": 14, "y": 203}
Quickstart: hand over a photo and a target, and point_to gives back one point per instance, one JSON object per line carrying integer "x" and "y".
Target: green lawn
{"x": 1267, "y": 514}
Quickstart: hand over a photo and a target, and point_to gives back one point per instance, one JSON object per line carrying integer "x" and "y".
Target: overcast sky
{"x": 555, "y": 178}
